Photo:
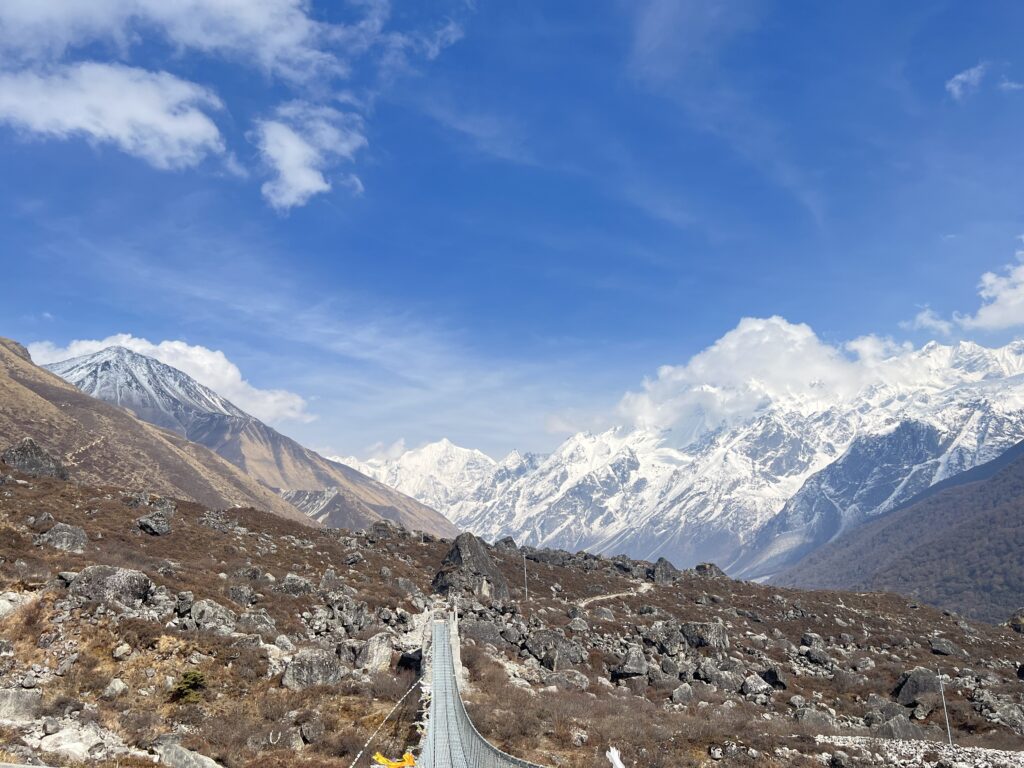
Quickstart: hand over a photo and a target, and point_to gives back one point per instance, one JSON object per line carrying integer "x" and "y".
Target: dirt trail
{"x": 641, "y": 589}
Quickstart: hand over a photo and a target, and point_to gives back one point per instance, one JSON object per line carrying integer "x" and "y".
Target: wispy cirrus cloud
{"x": 963, "y": 84}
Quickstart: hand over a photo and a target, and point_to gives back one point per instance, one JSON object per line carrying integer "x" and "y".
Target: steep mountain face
{"x": 958, "y": 548}
{"x": 169, "y": 398}
{"x": 105, "y": 445}
{"x": 439, "y": 474}
{"x": 758, "y": 495}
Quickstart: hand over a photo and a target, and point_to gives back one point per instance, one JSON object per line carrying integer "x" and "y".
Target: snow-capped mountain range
{"x": 754, "y": 495}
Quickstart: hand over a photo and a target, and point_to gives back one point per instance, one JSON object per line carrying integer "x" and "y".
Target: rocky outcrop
{"x": 158, "y": 521}
{"x": 469, "y": 569}
{"x": 312, "y": 667}
{"x": 67, "y": 538}
{"x": 20, "y": 706}
{"x": 1016, "y": 622}
{"x": 29, "y": 458}
{"x": 915, "y": 685}
{"x": 117, "y": 586}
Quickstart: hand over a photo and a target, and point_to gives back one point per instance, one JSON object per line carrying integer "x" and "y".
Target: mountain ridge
{"x": 161, "y": 394}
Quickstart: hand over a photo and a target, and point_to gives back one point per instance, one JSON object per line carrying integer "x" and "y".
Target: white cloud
{"x": 770, "y": 361}
{"x": 1010, "y": 85}
{"x": 929, "y": 320}
{"x": 278, "y": 36}
{"x": 207, "y": 366}
{"x": 151, "y": 115}
{"x": 1002, "y": 300}
{"x": 759, "y": 361}
{"x": 299, "y": 144}
{"x": 967, "y": 82}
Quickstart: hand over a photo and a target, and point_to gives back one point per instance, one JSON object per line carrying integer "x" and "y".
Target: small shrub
{"x": 188, "y": 687}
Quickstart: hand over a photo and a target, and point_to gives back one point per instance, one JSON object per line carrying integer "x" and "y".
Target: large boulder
{"x": 107, "y": 584}
{"x": 633, "y": 664}
{"x": 20, "y": 706}
{"x": 664, "y": 572}
{"x": 913, "y": 686}
{"x": 213, "y": 617}
{"x": 67, "y": 538}
{"x": 554, "y": 650}
{"x": 375, "y": 656}
{"x": 176, "y": 756}
{"x": 468, "y": 567}
{"x": 706, "y": 635}
{"x": 158, "y": 522}
{"x": 899, "y": 727}
{"x": 29, "y": 458}
{"x": 311, "y": 667}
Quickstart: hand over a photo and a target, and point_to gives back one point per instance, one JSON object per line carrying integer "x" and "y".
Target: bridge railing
{"x": 454, "y": 740}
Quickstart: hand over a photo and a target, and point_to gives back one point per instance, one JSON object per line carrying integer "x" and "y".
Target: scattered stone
{"x": 67, "y": 538}
{"x": 117, "y": 687}
{"x": 29, "y": 458}
{"x": 943, "y": 647}
{"x": 122, "y": 652}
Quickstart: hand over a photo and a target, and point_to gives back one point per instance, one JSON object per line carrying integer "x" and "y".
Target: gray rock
{"x": 683, "y": 694}
{"x": 899, "y": 727}
{"x": 664, "y": 572}
{"x": 29, "y": 458}
{"x": 507, "y": 544}
{"x": 122, "y": 652}
{"x": 818, "y": 656}
{"x": 569, "y": 680}
{"x": 633, "y": 664}
{"x": 913, "y": 685}
{"x": 115, "y": 586}
{"x": 117, "y": 687}
{"x": 754, "y": 685}
{"x": 943, "y": 647}
{"x": 213, "y": 617}
{"x": 709, "y": 571}
{"x": 258, "y": 621}
{"x": 157, "y": 522}
{"x": 815, "y": 718}
{"x": 294, "y": 585}
{"x": 67, "y": 538}
{"x": 20, "y": 706}
{"x": 468, "y": 567}
{"x": 311, "y": 667}
{"x": 375, "y": 655}
{"x": 176, "y": 756}
{"x": 706, "y": 634}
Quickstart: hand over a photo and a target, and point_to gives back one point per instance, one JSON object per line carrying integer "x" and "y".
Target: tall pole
{"x": 942, "y": 693}
{"x": 526, "y": 584}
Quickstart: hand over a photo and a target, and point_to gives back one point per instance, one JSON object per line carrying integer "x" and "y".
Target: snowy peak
{"x": 438, "y": 474}
{"x": 158, "y": 393}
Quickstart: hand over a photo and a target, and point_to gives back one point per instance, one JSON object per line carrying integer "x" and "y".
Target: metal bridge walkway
{"x": 451, "y": 740}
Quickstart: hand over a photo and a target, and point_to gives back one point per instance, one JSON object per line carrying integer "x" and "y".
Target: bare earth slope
{"x": 103, "y": 444}
{"x": 959, "y": 548}
{"x": 167, "y": 397}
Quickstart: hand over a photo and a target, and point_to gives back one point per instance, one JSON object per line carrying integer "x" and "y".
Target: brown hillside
{"x": 103, "y": 444}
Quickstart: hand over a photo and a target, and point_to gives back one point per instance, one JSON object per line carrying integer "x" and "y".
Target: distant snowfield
{"x": 752, "y": 492}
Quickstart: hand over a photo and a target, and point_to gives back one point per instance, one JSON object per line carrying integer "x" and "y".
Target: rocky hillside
{"x": 959, "y": 547}
{"x": 100, "y": 443}
{"x": 119, "y": 647}
{"x": 169, "y": 398}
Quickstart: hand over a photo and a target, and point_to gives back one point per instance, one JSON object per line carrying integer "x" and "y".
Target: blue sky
{"x": 489, "y": 221}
